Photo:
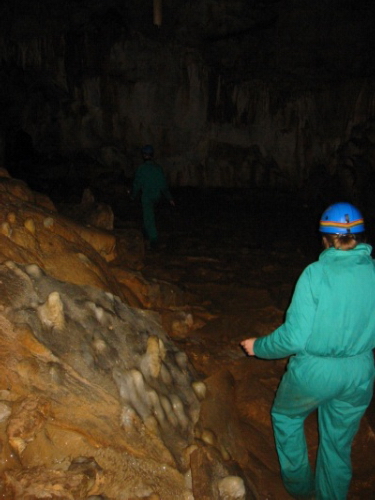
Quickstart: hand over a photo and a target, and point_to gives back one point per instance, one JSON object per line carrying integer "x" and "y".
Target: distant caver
{"x": 151, "y": 182}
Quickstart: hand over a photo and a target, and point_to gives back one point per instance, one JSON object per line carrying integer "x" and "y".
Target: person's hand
{"x": 172, "y": 203}
{"x": 248, "y": 346}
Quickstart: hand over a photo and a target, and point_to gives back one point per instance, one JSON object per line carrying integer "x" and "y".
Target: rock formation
{"x": 95, "y": 398}
{"x": 255, "y": 94}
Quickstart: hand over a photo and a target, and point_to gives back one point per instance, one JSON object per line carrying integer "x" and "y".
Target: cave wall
{"x": 230, "y": 94}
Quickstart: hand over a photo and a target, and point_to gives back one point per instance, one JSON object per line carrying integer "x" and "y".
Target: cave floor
{"x": 239, "y": 254}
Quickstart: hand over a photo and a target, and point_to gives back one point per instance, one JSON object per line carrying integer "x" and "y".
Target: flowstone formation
{"x": 78, "y": 361}
{"x": 96, "y": 401}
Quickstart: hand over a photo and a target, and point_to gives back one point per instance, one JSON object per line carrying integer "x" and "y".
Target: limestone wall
{"x": 102, "y": 87}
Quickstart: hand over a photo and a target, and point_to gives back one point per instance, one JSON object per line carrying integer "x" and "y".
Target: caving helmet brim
{"x": 342, "y": 218}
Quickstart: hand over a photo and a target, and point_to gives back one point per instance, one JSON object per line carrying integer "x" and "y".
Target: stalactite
{"x": 158, "y": 15}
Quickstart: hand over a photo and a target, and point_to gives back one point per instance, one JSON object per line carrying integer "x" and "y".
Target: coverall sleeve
{"x": 291, "y": 337}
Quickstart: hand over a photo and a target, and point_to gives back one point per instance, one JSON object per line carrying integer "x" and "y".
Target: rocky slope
{"x": 95, "y": 398}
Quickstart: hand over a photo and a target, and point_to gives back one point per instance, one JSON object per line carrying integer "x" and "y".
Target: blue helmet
{"x": 148, "y": 150}
{"x": 342, "y": 218}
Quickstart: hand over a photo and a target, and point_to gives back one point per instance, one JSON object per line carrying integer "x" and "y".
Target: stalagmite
{"x": 157, "y": 409}
{"x": 208, "y": 437}
{"x": 200, "y": 390}
{"x": 132, "y": 391}
{"x": 224, "y": 453}
{"x": 152, "y": 360}
{"x": 128, "y": 416}
{"x": 83, "y": 258}
{"x": 56, "y": 373}
{"x": 181, "y": 360}
{"x": 178, "y": 408}
{"x": 99, "y": 313}
{"x": 232, "y": 488}
{"x": 139, "y": 382}
{"x": 48, "y": 222}
{"x": 5, "y": 229}
{"x": 99, "y": 345}
{"x": 165, "y": 403}
{"x": 51, "y": 313}
{"x": 5, "y": 411}
{"x": 188, "y": 479}
{"x": 30, "y": 225}
{"x": 33, "y": 271}
{"x": 165, "y": 375}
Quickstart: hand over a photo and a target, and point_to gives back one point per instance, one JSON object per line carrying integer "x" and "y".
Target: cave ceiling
{"x": 332, "y": 37}
{"x": 231, "y": 87}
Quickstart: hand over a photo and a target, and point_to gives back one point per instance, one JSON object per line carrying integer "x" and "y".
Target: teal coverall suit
{"x": 330, "y": 331}
{"x": 150, "y": 180}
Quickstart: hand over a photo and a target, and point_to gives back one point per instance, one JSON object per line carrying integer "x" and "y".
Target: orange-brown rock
{"x": 95, "y": 399}
{"x": 35, "y": 233}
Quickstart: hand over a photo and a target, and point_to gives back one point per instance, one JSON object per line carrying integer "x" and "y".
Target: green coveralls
{"x": 150, "y": 180}
{"x": 330, "y": 329}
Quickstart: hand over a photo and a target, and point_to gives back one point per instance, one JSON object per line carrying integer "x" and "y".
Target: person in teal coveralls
{"x": 151, "y": 182}
{"x": 329, "y": 332}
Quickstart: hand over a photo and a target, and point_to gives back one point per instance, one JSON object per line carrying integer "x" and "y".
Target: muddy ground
{"x": 239, "y": 253}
